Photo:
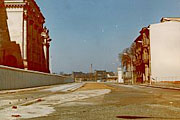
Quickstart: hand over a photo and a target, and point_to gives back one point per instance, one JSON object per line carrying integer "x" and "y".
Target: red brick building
{"x": 27, "y": 36}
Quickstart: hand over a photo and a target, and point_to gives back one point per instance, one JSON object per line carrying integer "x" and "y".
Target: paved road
{"x": 101, "y": 101}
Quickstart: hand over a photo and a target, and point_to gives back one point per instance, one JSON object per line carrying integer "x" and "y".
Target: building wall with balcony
{"x": 137, "y": 67}
{"x": 142, "y": 61}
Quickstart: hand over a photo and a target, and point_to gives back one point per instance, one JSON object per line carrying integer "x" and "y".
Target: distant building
{"x": 112, "y": 77}
{"x": 100, "y": 75}
{"x": 25, "y": 23}
{"x": 80, "y": 76}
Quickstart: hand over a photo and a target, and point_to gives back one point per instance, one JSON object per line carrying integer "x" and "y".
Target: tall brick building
{"x": 26, "y": 27}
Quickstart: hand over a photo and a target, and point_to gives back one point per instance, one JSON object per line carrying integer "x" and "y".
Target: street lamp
{"x": 130, "y": 56}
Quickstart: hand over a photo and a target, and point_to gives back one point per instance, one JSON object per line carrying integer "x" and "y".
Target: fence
{"x": 168, "y": 78}
{"x": 13, "y": 78}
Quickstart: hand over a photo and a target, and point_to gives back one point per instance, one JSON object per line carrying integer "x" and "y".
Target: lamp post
{"x": 131, "y": 64}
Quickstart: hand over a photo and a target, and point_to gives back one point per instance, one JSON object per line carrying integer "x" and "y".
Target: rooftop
{"x": 165, "y": 19}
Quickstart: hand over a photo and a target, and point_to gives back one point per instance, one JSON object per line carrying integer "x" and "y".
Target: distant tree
{"x": 132, "y": 49}
{"x": 61, "y": 73}
{"x": 124, "y": 57}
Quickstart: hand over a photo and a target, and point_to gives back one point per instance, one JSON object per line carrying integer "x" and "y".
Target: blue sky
{"x": 88, "y": 32}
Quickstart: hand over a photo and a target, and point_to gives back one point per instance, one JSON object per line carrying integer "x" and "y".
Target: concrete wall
{"x": 165, "y": 51}
{"x": 12, "y": 78}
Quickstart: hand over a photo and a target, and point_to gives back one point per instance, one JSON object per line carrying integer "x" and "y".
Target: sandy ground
{"x": 93, "y": 101}
{"x": 45, "y": 105}
{"x": 123, "y": 102}
{"x": 92, "y": 86}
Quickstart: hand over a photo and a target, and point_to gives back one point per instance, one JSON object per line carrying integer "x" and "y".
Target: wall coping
{"x": 29, "y": 71}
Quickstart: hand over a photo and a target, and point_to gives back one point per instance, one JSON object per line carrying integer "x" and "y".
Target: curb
{"x": 36, "y": 88}
{"x": 162, "y": 87}
{"x": 23, "y": 90}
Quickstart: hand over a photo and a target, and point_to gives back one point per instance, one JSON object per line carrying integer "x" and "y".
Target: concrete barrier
{"x": 13, "y": 78}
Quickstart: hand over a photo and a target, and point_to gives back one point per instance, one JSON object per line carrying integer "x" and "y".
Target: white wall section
{"x": 165, "y": 51}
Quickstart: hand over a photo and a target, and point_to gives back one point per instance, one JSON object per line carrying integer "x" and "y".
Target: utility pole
{"x": 132, "y": 82}
{"x": 91, "y": 69}
{"x": 91, "y": 72}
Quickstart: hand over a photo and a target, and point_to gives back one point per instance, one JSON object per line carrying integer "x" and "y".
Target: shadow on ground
{"x": 141, "y": 117}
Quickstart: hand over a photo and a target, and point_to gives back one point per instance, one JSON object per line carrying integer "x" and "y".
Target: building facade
{"x": 141, "y": 61}
{"x": 80, "y": 76}
{"x": 154, "y": 55}
{"x": 97, "y": 76}
{"x": 26, "y": 27}
{"x": 140, "y": 57}
{"x": 165, "y": 47}
{"x": 100, "y": 75}
{"x": 10, "y": 54}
